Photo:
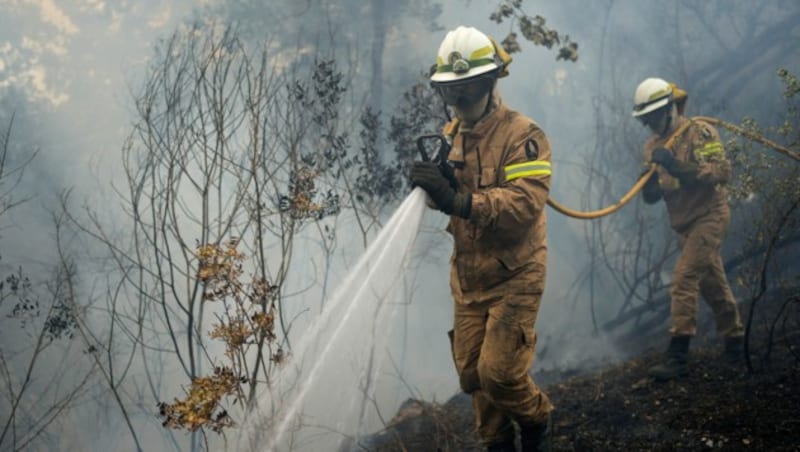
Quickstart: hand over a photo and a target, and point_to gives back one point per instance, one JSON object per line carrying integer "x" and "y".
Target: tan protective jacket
{"x": 699, "y": 144}
{"x": 504, "y": 161}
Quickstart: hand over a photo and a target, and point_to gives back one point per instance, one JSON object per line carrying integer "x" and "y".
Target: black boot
{"x": 734, "y": 350}
{"x": 536, "y": 437}
{"x": 676, "y": 360}
{"x": 505, "y": 446}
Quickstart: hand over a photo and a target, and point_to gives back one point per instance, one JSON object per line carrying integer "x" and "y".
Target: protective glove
{"x": 664, "y": 158}
{"x": 652, "y": 189}
{"x": 449, "y": 174}
{"x": 686, "y": 172}
{"x": 428, "y": 176}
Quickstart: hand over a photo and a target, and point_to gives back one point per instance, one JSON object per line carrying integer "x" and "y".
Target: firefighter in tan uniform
{"x": 690, "y": 177}
{"x": 500, "y": 163}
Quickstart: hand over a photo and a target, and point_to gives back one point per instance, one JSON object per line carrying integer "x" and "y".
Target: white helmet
{"x": 464, "y": 53}
{"x": 651, "y": 94}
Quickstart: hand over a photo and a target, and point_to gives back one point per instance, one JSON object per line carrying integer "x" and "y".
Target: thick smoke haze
{"x": 69, "y": 76}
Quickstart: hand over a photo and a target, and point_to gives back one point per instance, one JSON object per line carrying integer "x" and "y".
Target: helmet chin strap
{"x": 446, "y": 110}
{"x": 489, "y": 100}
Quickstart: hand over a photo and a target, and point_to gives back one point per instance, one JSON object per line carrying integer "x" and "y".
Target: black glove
{"x": 664, "y": 158}
{"x": 686, "y": 172}
{"x": 652, "y": 190}
{"x": 449, "y": 174}
{"x": 428, "y": 176}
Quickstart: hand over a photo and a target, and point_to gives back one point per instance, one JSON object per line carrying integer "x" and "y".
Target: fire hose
{"x": 637, "y": 187}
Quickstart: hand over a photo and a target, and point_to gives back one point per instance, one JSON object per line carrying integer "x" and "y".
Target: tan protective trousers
{"x": 699, "y": 270}
{"x": 493, "y": 348}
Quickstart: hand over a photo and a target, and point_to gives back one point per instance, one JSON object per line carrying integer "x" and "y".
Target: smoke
{"x": 67, "y": 72}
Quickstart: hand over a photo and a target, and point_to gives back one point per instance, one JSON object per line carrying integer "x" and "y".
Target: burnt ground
{"x": 717, "y": 406}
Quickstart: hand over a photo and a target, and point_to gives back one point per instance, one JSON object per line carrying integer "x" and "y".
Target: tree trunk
{"x": 378, "y": 45}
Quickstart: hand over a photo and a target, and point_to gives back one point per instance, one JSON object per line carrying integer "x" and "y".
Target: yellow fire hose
{"x": 750, "y": 135}
{"x": 637, "y": 187}
{"x": 452, "y": 128}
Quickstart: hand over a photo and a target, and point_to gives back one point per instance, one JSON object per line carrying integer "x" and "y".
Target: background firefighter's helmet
{"x": 654, "y": 93}
{"x": 466, "y": 53}
{"x": 651, "y": 94}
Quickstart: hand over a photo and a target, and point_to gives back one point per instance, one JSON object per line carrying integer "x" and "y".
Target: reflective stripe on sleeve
{"x": 533, "y": 168}
{"x": 709, "y": 149}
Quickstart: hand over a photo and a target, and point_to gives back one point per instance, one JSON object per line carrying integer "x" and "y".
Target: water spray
{"x": 336, "y": 339}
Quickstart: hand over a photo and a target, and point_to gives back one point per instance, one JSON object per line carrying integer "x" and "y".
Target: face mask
{"x": 465, "y": 94}
{"x": 658, "y": 121}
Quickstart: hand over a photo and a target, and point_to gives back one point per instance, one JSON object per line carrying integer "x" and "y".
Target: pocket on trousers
{"x": 528, "y": 337}
{"x": 513, "y": 360}
{"x": 451, "y": 336}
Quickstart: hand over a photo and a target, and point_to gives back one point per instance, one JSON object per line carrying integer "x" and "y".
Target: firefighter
{"x": 691, "y": 178}
{"x": 500, "y": 160}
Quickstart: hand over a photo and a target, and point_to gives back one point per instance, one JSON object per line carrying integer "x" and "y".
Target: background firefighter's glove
{"x": 428, "y": 176}
{"x": 664, "y": 158}
{"x": 686, "y": 172}
{"x": 651, "y": 191}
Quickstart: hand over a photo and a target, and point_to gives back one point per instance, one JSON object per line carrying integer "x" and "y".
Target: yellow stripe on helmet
{"x": 659, "y": 94}
{"x": 480, "y": 53}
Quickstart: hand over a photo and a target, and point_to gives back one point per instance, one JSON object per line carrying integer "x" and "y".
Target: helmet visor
{"x": 467, "y": 92}
{"x": 652, "y": 105}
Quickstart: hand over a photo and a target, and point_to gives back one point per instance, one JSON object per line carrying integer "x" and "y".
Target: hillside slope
{"x": 718, "y": 406}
